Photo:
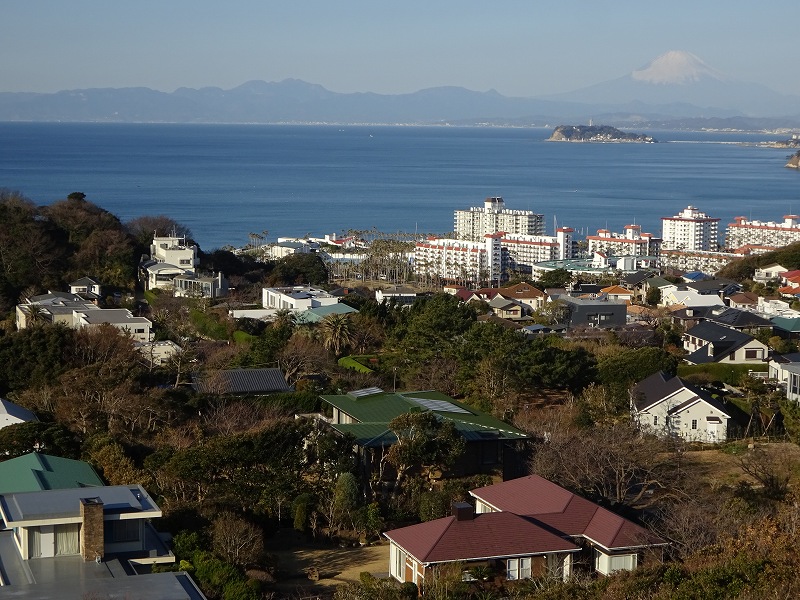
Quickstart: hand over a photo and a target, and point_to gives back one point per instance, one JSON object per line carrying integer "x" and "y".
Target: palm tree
{"x": 284, "y": 316}
{"x": 336, "y": 332}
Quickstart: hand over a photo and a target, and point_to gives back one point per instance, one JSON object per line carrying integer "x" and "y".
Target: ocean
{"x": 225, "y": 181}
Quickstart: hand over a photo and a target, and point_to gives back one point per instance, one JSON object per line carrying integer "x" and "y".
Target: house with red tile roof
{"x": 521, "y": 528}
{"x": 614, "y": 543}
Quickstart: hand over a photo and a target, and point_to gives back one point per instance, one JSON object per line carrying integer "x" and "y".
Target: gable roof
{"x": 736, "y": 318}
{"x": 637, "y": 277}
{"x": 553, "y": 506}
{"x": 616, "y": 290}
{"x": 724, "y": 339}
{"x": 377, "y": 408}
{"x": 660, "y": 386}
{"x": 522, "y": 290}
{"x": 487, "y": 535}
{"x": 36, "y": 472}
{"x": 242, "y": 381}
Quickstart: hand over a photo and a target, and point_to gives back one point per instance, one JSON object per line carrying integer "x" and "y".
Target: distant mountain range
{"x": 676, "y": 90}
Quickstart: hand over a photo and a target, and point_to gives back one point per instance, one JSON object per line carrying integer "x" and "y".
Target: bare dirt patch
{"x": 294, "y": 555}
{"x": 723, "y": 468}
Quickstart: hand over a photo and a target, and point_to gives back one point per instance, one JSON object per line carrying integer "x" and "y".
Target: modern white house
{"x": 192, "y": 285}
{"x": 398, "y": 294}
{"x": 175, "y": 251}
{"x": 296, "y": 298}
{"x": 670, "y": 407}
{"x": 90, "y": 522}
{"x": 139, "y": 328}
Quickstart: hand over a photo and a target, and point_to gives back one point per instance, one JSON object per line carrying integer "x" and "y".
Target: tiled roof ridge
{"x": 439, "y": 539}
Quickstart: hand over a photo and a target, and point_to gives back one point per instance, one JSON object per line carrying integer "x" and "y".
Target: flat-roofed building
{"x": 745, "y": 232}
{"x": 690, "y": 229}
{"x": 477, "y": 221}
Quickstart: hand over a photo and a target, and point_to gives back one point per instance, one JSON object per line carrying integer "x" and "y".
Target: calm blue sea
{"x": 224, "y": 181}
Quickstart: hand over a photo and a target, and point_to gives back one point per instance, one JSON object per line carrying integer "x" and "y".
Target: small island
{"x": 597, "y": 133}
{"x": 794, "y": 161}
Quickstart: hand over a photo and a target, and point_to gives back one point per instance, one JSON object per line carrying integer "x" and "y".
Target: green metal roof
{"x": 315, "y": 315}
{"x": 787, "y": 323}
{"x": 37, "y": 472}
{"x": 373, "y": 409}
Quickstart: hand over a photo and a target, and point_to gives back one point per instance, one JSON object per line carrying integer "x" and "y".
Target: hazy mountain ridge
{"x": 674, "y": 87}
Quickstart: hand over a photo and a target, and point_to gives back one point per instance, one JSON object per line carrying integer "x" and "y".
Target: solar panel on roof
{"x": 365, "y": 392}
{"x": 439, "y": 405}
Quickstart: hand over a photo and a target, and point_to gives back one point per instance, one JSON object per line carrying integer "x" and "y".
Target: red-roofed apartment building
{"x": 521, "y": 528}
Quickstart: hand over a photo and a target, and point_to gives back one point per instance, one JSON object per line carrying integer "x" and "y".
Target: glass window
{"x": 694, "y": 423}
{"x": 655, "y": 420}
{"x": 121, "y": 531}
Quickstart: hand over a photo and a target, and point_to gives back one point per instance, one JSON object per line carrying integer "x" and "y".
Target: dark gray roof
{"x": 736, "y": 318}
{"x": 242, "y": 381}
{"x": 714, "y": 286}
{"x": 660, "y": 385}
{"x": 637, "y": 277}
{"x": 724, "y": 339}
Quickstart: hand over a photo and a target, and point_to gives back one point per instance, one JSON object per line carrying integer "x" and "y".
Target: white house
{"x": 671, "y": 407}
{"x": 708, "y": 342}
{"x": 139, "y": 328}
{"x": 89, "y": 522}
{"x": 174, "y": 251}
{"x": 85, "y": 286}
{"x": 296, "y": 298}
{"x": 400, "y": 294}
{"x": 769, "y": 273}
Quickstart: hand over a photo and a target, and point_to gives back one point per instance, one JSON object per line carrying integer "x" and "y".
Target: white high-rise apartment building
{"x": 460, "y": 259}
{"x": 690, "y": 230}
{"x": 759, "y": 233}
{"x": 476, "y": 222}
{"x": 527, "y": 250}
{"x": 632, "y": 242}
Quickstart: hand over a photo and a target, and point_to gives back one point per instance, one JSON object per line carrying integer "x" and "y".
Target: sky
{"x": 522, "y": 48}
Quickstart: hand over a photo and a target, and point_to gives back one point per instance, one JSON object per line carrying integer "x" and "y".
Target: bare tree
{"x": 236, "y": 540}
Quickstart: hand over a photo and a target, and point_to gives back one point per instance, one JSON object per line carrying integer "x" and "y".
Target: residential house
{"x": 609, "y": 541}
{"x": 681, "y": 294}
{"x": 86, "y": 288}
{"x": 191, "y": 285}
{"x": 504, "y": 308}
{"x": 399, "y": 294}
{"x": 743, "y": 300}
{"x": 785, "y": 370}
{"x": 315, "y": 315}
{"x": 617, "y": 293}
{"x": 492, "y": 445}
{"x": 532, "y": 298}
{"x": 734, "y": 318}
{"x": 671, "y": 407}
{"x": 771, "y": 272}
{"x": 257, "y": 382}
{"x": 160, "y": 275}
{"x": 296, "y": 298}
{"x": 90, "y": 522}
{"x": 594, "y": 312}
{"x": 139, "y": 328}
{"x": 520, "y": 529}
{"x": 157, "y": 353}
{"x": 636, "y": 282}
{"x": 175, "y": 251}
{"x": 84, "y": 542}
{"x": 708, "y": 342}
{"x": 515, "y": 547}
{"x": 786, "y": 327}
{"x": 36, "y": 472}
{"x": 12, "y": 414}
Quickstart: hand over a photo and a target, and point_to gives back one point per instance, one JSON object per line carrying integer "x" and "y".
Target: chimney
{"x": 463, "y": 511}
{"x": 92, "y": 535}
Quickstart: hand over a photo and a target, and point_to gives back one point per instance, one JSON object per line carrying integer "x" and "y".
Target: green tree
{"x": 336, "y": 332}
{"x": 424, "y": 443}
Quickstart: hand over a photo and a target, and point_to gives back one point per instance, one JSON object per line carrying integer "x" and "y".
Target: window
{"x": 694, "y": 423}
{"x": 186, "y": 261}
{"x": 397, "y": 562}
{"x": 138, "y": 330}
{"x": 655, "y": 420}
{"x": 518, "y": 568}
{"x": 121, "y": 531}
{"x": 752, "y": 354}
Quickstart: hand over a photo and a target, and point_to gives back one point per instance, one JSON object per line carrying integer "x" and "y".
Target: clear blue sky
{"x": 519, "y": 48}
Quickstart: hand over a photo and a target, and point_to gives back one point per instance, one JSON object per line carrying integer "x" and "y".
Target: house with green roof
{"x": 35, "y": 472}
{"x": 491, "y": 445}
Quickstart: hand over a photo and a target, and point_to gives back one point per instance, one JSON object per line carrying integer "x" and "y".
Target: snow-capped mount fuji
{"x": 676, "y": 67}
{"x": 678, "y": 78}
